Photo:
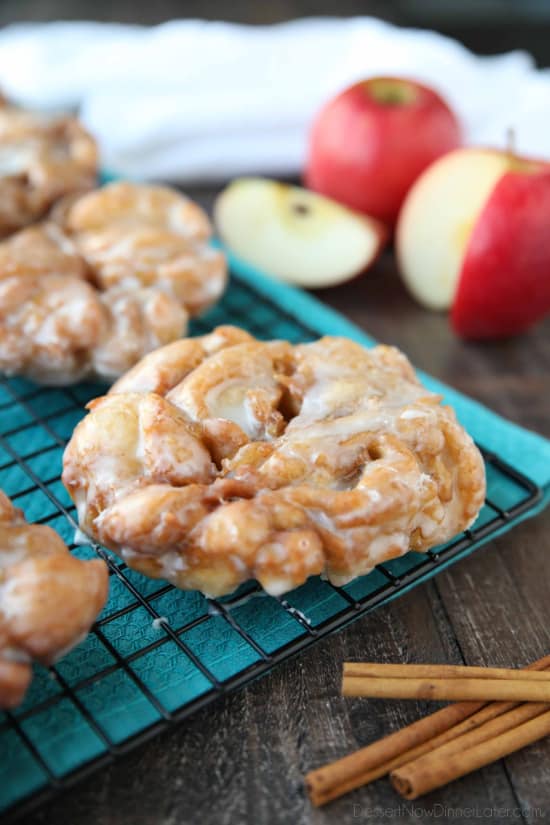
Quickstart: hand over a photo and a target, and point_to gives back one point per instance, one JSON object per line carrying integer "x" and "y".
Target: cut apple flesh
{"x": 438, "y": 218}
{"x": 295, "y": 235}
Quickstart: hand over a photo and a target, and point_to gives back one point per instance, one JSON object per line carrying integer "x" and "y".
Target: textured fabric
{"x": 191, "y": 100}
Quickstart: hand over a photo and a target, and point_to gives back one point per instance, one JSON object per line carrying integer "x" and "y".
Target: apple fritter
{"x": 133, "y": 235}
{"x": 111, "y": 276}
{"x": 42, "y": 159}
{"x": 48, "y": 599}
{"x": 224, "y": 458}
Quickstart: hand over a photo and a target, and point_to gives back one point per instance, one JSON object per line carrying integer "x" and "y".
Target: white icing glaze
{"x": 16, "y": 158}
{"x": 16, "y": 551}
{"x": 80, "y": 537}
{"x": 412, "y": 413}
{"x": 227, "y": 400}
{"x": 15, "y": 654}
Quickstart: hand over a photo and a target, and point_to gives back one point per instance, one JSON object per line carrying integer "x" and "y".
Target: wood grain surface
{"x": 242, "y": 760}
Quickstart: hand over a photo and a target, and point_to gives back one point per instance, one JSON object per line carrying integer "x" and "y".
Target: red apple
{"x": 474, "y": 235}
{"x": 370, "y": 143}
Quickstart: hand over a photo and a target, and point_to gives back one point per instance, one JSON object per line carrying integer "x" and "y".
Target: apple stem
{"x": 511, "y": 140}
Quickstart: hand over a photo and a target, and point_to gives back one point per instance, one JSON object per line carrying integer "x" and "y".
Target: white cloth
{"x": 192, "y": 101}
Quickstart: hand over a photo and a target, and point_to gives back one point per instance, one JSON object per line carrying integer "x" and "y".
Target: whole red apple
{"x": 473, "y": 236}
{"x": 369, "y": 144}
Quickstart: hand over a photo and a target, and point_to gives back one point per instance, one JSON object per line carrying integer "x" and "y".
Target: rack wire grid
{"x": 157, "y": 654}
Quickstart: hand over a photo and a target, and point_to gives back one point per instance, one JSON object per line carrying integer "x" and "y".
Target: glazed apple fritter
{"x": 114, "y": 274}
{"x": 48, "y": 599}
{"x": 42, "y": 158}
{"x": 223, "y": 458}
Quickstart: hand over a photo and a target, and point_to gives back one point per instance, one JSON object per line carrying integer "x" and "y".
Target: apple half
{"x": 474, "y": 235}
{"x": 295, "y": 235}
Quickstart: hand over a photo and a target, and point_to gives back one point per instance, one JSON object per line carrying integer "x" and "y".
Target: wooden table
{"x": 243, "y": 759}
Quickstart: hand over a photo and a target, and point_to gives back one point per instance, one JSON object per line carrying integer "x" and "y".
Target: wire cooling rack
{"x": 157, "y": 654}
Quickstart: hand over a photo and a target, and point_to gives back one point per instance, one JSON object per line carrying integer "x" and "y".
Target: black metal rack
{"x": 30, "y": 453}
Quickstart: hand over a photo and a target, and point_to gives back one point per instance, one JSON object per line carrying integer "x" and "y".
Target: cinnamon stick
{"x": 483, "y": 690}
{"x": 412, "y": 671}
{"x": 417, "y": 778}
{"x": 367, "y": 764}
{"x": 378, "y": 759}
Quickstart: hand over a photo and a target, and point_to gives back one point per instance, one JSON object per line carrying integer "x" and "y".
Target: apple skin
{"x": 366, "y": 153}
{"x": 504, "y": 282}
